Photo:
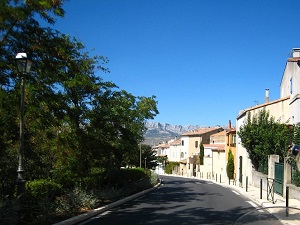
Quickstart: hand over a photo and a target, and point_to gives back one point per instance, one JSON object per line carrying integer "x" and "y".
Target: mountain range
{"x": 162, "y": 132}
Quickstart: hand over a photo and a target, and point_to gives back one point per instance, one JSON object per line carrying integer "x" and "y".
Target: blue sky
{"x": 204, "y": 60}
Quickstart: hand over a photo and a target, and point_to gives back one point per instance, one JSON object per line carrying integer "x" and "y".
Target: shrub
{"x": 66, "y": 178}
{"x": 170, "y": 166}
{"x": 230, "y": 165}
{"x": 75, "y": 201}
{"x": 123, "y": 177}
{"x": 154, "y": 179}
{"x": 39, "y": 189}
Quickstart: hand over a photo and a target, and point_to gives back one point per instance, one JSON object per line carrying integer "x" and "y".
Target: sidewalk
{"x": 278, "y": 209}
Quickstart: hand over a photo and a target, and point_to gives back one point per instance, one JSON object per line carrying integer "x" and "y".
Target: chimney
{"x": 267, "y": 95}
{"x": 296, "y": 52}
{"x": 229, "y": 124}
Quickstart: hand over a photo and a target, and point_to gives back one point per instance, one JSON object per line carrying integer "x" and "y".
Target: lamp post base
{"x": 20, "y": 183}
{"x": 20, "y": 187}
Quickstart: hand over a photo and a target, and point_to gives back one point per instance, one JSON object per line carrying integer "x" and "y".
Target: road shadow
{"x": 177, "y": 202}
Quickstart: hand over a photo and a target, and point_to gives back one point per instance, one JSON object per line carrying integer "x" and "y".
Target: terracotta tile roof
{"x": 175, "y": 142}
{"x": 295, "y": 59}
{"x": 222, "y": 133}
{"x": 163, "y": 145}
{"x": 200, "y": 131}
{"x": 230, "y": 131}
{"x": 215, "y": 146}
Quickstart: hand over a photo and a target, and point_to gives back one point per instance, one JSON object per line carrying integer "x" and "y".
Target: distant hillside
{"x": 162, "y": 132}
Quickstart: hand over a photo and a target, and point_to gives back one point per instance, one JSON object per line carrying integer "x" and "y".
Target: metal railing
{"x": 270, "y": 190}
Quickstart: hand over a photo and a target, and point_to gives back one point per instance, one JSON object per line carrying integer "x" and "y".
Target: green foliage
{"x": 295, "y": 175}
{"x": 65, "y": 178}
{"x": 262, "y": 136}
{"x": 154, "y": 178}
{"x": 295, "y": 171}
{"x": 40, "y": 189}
{"x": 132, "y": 157}
{"x": 170, "y": 166}
{"x": 201, "y": 154}
{"x": 162, "y": 159}
{"x": 74, "y": 121}
{"x": 296, "y": 137}
{"x": 230, "y": 165}
{"x": 263, "y": 166}
{"x": 124, "y": 177}
{"x": 75, "y": 201}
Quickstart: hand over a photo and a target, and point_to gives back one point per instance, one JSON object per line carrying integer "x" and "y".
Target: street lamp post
{"x": 23, "y": 66}
{"x": 140, "y": 155}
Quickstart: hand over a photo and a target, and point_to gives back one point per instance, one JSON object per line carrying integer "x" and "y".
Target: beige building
{"x": 190, "y": 149}
{"x": 216, "y": 151}
{"x": 190, "y": 141}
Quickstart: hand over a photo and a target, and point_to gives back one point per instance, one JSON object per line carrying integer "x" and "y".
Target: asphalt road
{"x": 186, "y": 202}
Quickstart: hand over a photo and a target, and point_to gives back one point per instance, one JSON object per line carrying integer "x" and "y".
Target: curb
{"x": 94, "y": 212}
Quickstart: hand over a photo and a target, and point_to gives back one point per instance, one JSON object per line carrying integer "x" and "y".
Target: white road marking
{"x": 235, "y": 192}
{"x": 255, "y": 206}
{"x": 94, "y": 218}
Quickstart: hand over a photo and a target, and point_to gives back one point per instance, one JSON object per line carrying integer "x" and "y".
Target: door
{"x": 241, "y": 170}
{"x": 279, "y": 177}
{"x": 194, "y": 170}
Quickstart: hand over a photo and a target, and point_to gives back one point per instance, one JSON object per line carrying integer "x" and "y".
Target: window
{"x": 182, "y": 142}
{"x": 181, "y": 155}
{"x": 196, "y": 144}
{"x": 233, "y": 140}
{"x": 291, "y": 85}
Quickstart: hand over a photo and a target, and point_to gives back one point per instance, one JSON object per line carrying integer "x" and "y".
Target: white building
{"x": 286, "y": 109}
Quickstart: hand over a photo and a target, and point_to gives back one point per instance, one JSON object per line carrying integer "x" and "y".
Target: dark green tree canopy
{"x": 74, "y": 120}
{"x": 230, "y": 165}
{"x": 201, "y": 155}
{"x": 261, "y": 136}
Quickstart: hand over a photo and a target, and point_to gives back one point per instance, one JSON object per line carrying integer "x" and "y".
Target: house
{"x": 190, "y": 141}
{"x": 175, "y": 154}
{"x": 214, "y": 156}
{"x": 174, "y": 150}
{"x": 190, "y": 148}
{"x": 161, "y": 150}
{"x": 285, "y": 109}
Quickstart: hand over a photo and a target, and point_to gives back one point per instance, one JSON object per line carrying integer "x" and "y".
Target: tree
{"x": 262, "y": 136}
{"x": 121, "y": 117}
{"x": 230, "y": 165}
{"x": 74, "y": 120}
{"x": 163, "y": 160}
{"x": 142, "y": 151}
{"x": 292, "y": 159}
{"x": 19, "y": 32}
{"x": 201, "y": 155}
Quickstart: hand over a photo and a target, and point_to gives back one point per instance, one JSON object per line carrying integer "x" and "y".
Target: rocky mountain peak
{"x": 162, "y": 132}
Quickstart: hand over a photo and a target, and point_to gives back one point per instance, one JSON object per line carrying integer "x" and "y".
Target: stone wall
{"x": 256, "y": 176}
{"x": 294, "y": 192}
